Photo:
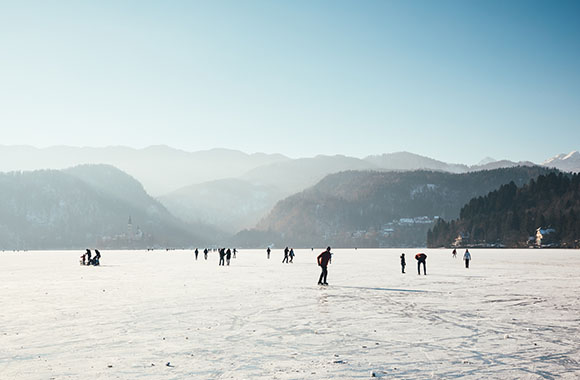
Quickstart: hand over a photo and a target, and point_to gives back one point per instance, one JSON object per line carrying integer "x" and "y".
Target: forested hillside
{"x": 374, "y": 209}
{"x": 86, "y": 206}
{"x": 547, "y": 208}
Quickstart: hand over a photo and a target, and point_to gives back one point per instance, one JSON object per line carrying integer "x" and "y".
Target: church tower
{"x": 129, "y": 230}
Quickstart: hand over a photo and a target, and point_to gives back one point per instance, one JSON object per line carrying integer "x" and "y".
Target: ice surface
{"x": 513, "y": 315}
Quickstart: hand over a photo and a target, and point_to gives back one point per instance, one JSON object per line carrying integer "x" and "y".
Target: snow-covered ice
{"x": 515, "y": 314}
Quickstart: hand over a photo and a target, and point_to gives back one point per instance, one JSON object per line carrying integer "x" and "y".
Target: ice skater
{"x": 234, "y": 252}
{"x": 421, "y": 259}
{"x": 268, "y": 252}
{"x": 323, "y": 260}
{"x": 285, "y": 259}
{"x": 291, "y": 254}
{"x": 454, "y": 253}
{"x": 466, "y": 258}
{"x": 403, "y": 263}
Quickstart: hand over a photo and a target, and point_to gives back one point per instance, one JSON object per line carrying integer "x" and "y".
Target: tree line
{"x": 511, "y": 215}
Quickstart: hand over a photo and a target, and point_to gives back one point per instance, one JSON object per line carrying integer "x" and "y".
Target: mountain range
{"x": 374, "y": 209}
{"x": 87, "y": 206}
{"x": 228, "y": 190}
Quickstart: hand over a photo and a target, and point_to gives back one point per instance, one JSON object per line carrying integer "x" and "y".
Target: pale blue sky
{"x": 454, "y": 80}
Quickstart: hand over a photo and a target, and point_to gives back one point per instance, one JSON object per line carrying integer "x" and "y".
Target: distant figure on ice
{"x": 466, "y": 258}
{"x": 83, "y": 259}
{"x": 403, "y": 263}
{"x": 228, "y": 256}
{"x": 235, "y": 250}
{"x": 421, "y": 258}
{"x": 97, "y": 259}
{"x": 196, "y": 253}
{"x": 268, "y": 252}
{"x": 454, "y": 253}
{"x": 285, "y": 259}
{"x": 88, "y": 256}
{"x": 323, "y": 260}
{"x": 291, "y": 254}
{"x": 205, "y": 251}
{"x": 222, "y": 252}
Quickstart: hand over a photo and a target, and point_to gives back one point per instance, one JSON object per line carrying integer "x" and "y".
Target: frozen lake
{"x": 515, "y": 314}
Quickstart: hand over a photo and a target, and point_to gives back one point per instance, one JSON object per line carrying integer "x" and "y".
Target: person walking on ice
{"x": 323, "y": 260}
{"x": 421, "y": 258}
{"x": 466, "y": 258}
{"x": 285, "y": 259}
{"x": 403, "y": 263}
{"x": 454, "y": 253}
{"x": 268, "y": 252}
{"x": 228, "y": 256}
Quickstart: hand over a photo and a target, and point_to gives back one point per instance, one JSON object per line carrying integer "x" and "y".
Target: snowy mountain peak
{"x": 572, "y": 155}
{"x": 566, "y": 162}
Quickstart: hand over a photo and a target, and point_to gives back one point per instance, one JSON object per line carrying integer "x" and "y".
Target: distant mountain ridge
{"x": 160, "y": 169}
{"x": 86, "y": 206}
{"x": 405, "y": 161}
{"x": 374, "y": 208}
{"x": 272, "y": 182}
{"x": 198, "y": 186}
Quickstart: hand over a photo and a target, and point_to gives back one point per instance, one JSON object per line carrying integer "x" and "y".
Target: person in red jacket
{"x": 323, "y": 260}
{"x": 421, "y": 258}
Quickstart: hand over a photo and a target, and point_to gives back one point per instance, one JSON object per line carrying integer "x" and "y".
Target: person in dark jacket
{"x": 323, "y": 260}
{"x": 228, "y": 256}
{"x": 196, "y": 253}
{"x": 285, "y": 259}
{"x": 268, "y": 251}
{"x": 222, "y": 252}
{"x": 421, "y": 259}
{"x": 97, "y": 259}
{"x": 403, "y": 263}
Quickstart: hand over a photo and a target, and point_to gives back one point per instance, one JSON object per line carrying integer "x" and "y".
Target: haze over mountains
{"x": 220, "y": 191}
{"x": 86, "y": 206}
{"x": 160, "y": 169}
{"x": 378, "y": 209}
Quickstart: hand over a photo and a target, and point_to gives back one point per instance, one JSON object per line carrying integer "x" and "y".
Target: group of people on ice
{"x": 226, "y": 255}
{"x": 88, "y": 259}
{"x": 422, "y": 260}
{"x": 288, "y": 255}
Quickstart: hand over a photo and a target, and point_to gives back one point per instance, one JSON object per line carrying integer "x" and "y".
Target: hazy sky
{"x": 454, "y": 80}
